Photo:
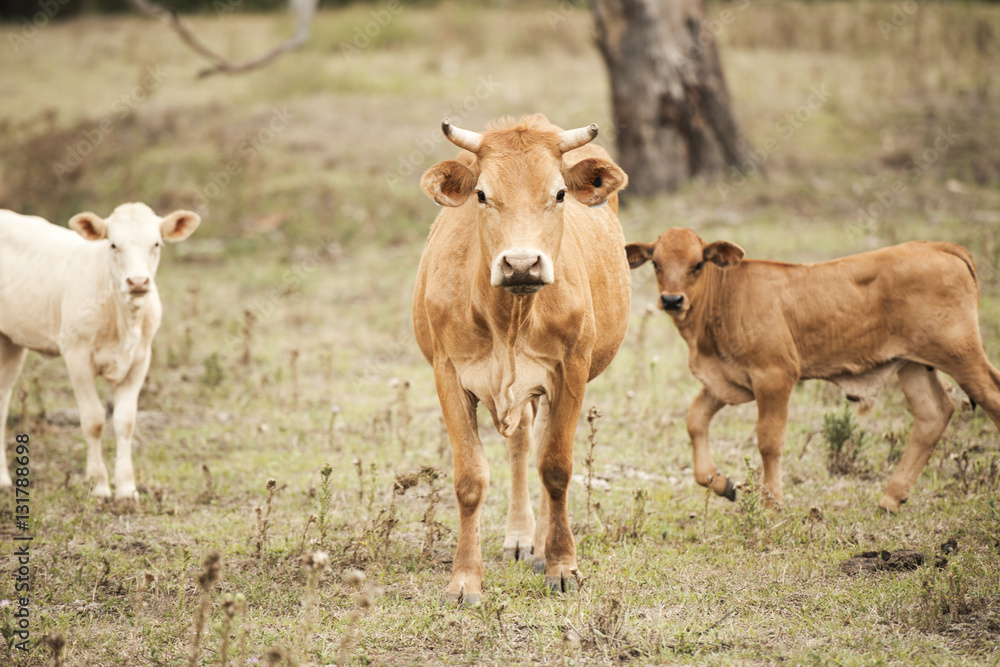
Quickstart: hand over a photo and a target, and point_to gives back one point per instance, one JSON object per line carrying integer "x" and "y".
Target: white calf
{"x": 90, "y": 297}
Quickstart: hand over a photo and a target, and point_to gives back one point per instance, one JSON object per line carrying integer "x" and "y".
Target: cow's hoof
{"x": 564, "y": 583}
{"x": 890, "y": 505}
{"x": 730, "y": 492}
{"x": 461, "y": 599}
{"x": 101, "y": 490}
{"x": 518, "y": 552}
{"x": 538, "y": 564}
{"x": 126, "y": 493}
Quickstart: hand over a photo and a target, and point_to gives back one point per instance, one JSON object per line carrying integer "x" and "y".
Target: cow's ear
{"x": 638, "y": 254}
{"x": 448, "y": 183}
{"x": 593, "y": 180}
{"x": 179, "y": 225}
{"x": 723, "y": 253}
{"x": 89, "y": 225}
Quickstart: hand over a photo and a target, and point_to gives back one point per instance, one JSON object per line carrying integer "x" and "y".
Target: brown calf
{"x": 755, "y": 328}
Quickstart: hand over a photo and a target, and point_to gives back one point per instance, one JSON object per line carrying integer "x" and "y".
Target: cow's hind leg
{"x": 699, "y": 415}
{"x": 518, "y": 542}
{"x": 932, "y": 410}
{"x": 11, "y": 361}
{"x": 981, "y": 381}
{"x": 81, "y": 375}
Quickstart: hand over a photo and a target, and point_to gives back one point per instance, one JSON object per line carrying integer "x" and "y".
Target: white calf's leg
{"x": 81, "y": 374}
{"x": 126, "y": 407}
{"x": 11, "y": 361}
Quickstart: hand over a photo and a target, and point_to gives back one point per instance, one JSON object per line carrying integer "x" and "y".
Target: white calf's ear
{"x": 179, "y": 225}
{"x": 89, "y": 225}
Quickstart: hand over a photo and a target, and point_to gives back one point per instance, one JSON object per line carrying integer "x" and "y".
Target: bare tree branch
{"x": 222, "y": 65}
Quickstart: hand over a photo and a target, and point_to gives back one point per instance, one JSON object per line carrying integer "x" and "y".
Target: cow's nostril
{"x": 671, "y": 301}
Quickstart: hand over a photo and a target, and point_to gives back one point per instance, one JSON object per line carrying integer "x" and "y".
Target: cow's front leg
{"x": 82, "y": 377}
{"x": 699, "y": 415}
{"x": 555, "y": 466}
{"x": 126, "y": 408}
{"x": 772, "y": 393}
{"x": 518, "y": 542}
{"x": 472, "y": 478}
{"x": 542, "y": 525}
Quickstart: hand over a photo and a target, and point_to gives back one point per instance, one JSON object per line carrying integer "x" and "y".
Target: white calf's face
{"x": 133, "y": 235}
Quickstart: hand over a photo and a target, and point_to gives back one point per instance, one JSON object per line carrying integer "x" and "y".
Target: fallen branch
{"x": 222, "y": 65}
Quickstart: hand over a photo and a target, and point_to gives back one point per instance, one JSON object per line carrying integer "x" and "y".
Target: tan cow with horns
{"x": 755, "y": 328}
{"x": 522, "y": 297}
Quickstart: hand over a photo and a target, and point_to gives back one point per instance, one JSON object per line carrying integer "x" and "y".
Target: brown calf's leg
{"x": 772, "y": 418}
{"x": 472, "y": 478}
{"x": 556, "y": 469}
{"x": 981, "y": 381}
{"x": 699, "y": 415}
{"x": 518, "y": 542}
{"x": 932, "y": 410}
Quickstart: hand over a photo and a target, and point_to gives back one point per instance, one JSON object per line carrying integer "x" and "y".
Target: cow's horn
{"x": 470, "y": 141}
{"x": 571, "y": 139}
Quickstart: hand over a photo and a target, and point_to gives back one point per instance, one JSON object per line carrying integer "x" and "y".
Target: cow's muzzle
{"x": 672, "y": 302}
{"x": 522, "y": 271}
{"x": 138, "y": 286}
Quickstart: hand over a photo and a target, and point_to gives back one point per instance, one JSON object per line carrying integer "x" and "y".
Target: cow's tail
{"x": 965, "y": 256}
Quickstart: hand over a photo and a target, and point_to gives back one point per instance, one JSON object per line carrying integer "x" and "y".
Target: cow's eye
{"x": 561, "y": 195}
{"x": 656, "y": 265}
{"x": 697, "y": 267}
{"x": 156, "y": 245}
{"x": 114, "y": 247}
{"x": 482, "y": 196}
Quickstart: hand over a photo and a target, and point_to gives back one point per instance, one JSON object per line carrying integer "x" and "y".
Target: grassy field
{"x": 306, "y": 174}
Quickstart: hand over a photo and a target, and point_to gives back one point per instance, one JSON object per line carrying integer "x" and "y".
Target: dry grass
{"x": 314, "y": 243}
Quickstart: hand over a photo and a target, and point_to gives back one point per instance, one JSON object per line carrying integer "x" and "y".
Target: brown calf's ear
{"x": 179, "y": 225}
{"x": 449, "y": 183}
{"x": 593, "y": 180}
{"x": 723, "y": 253}
{"x": 638, "y": 254}
{"x": 89, "y": 225}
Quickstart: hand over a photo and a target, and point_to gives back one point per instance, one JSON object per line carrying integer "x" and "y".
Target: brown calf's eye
{"x": 482, "y": 196}
{"x": 561, "y": 195}
{"x": 697, "y": 267}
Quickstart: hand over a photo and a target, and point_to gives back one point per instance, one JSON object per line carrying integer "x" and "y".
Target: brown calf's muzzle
{"x": 672, "y": 302}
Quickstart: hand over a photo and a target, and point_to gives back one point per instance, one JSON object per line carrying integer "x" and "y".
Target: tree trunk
{"x": 668, "y": 94}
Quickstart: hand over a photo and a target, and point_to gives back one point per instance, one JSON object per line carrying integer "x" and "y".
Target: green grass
{"x": 667, "y": 578}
